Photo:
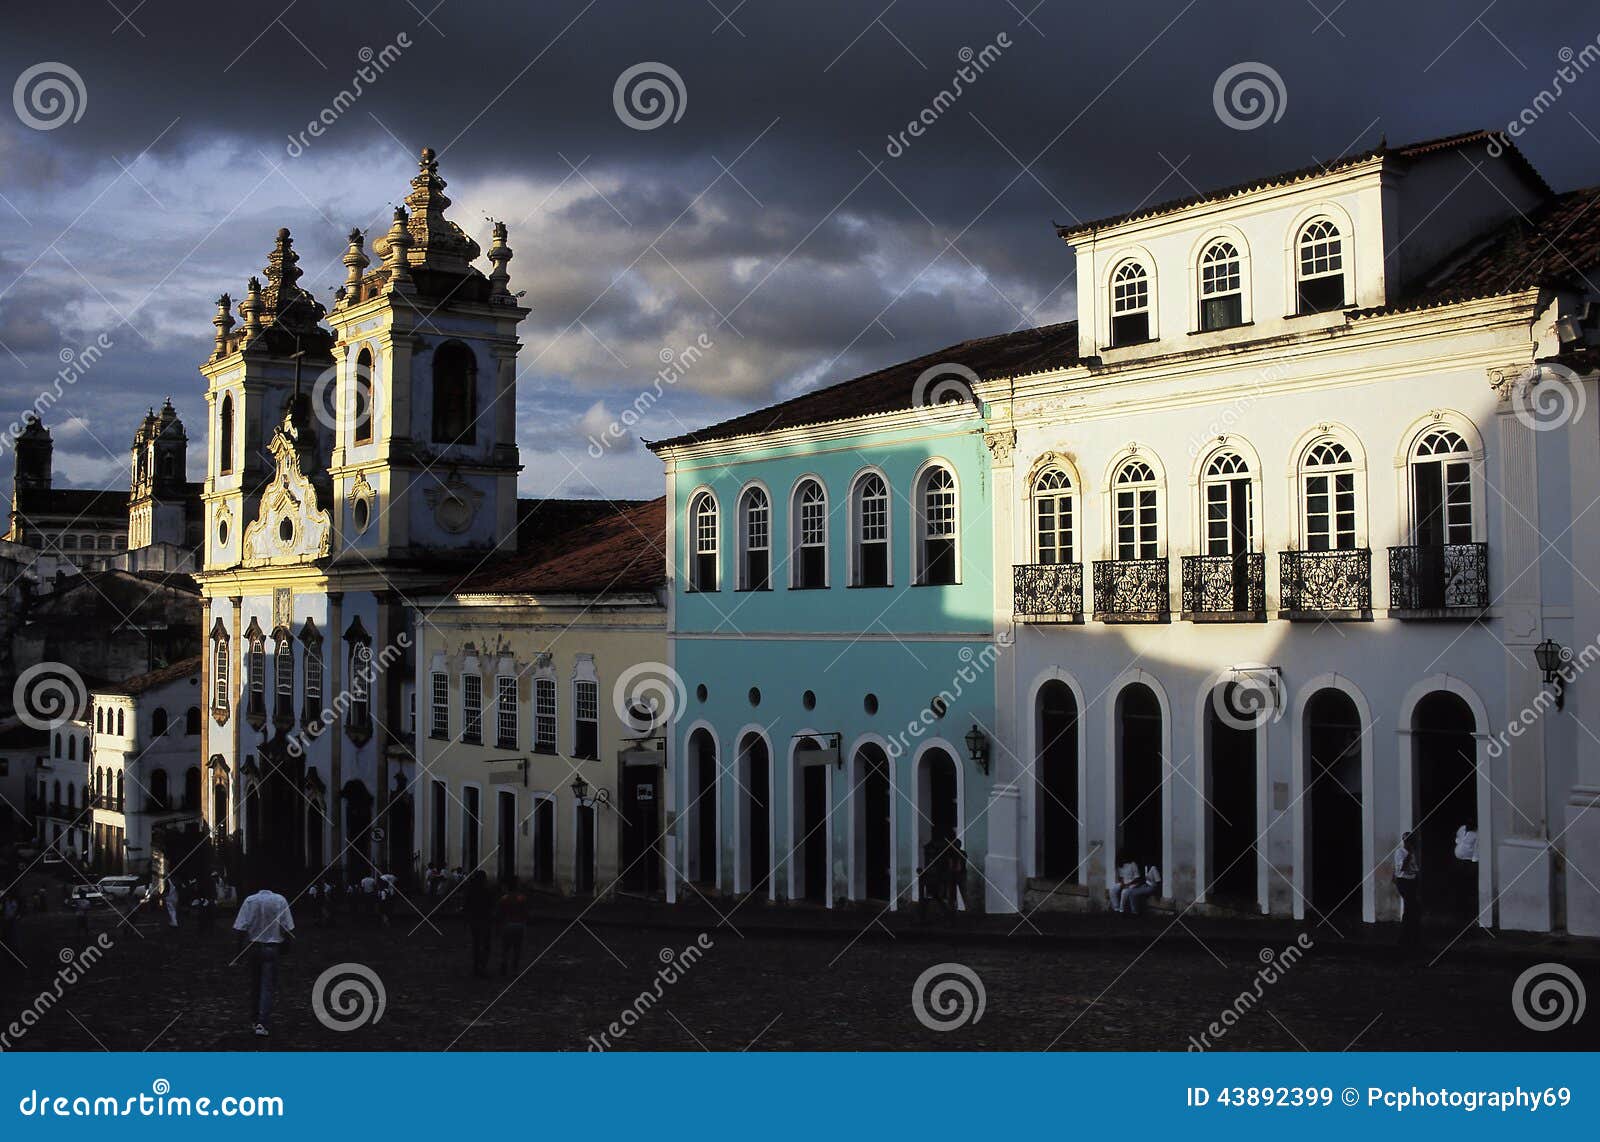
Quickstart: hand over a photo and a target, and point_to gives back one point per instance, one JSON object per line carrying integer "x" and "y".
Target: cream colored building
{"x": 538, "y": 755}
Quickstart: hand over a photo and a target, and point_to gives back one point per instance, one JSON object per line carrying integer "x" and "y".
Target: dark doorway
{"x": 1139, "y": 795}
{"x": 583, "y": 852}
{"x": 1444, "y": 764}
{"x": 702, "y": 809}
{"x": 1333, "y": 809}
{"x": 755, "y": 795}
{"x": 641, "y": 828}
{"x": 506, "y": 823}
{"x": 400, "y": 818}
{"x": 873, "y": 797}
{"x": 812, "y": 841}
{"x": 441, "y": 829}
{"x": 1231, "y": 798}
{"x": 938, "y": 807}
{"x": 544, "y": 841}
{"x": 1057, "y": 810}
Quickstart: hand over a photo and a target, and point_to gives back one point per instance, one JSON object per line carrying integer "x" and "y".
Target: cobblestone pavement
{"x": 809, "y": 986}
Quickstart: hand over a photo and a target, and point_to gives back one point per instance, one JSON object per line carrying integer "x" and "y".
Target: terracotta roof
{"x": 1583, "y": 360}
{"x": 547, "y": 527}
{"x": 140, "y": 683}
{"x": 1284, "y": 178}
{"x": 624, "y": 551}
{"x": 893, "y": 389}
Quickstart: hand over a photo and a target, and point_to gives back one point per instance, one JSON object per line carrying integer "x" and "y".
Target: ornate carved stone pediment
{"x": 292, "y": 525}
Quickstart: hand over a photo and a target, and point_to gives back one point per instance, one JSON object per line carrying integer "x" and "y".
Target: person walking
{"x": 265, "y": 928}
{"x": 479, "y": 910}
{"x": 513, "y": 913}
{"x": 170, "y": 897}
{"x": 1133, "y": 898}
{"x": 1464, "y": 874}
{"x": 1407, "y": 872}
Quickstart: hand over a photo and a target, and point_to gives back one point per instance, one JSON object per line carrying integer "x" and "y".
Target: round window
{"x": 700, "y": 691}
{"x": 222, "y": 531}
{"x": 286, "y": 530}
{"x": 809, "y": 699}
{"x": 870, "y": 703}
{"x": 361, "y": 514}
{"x": 755, "y": 696}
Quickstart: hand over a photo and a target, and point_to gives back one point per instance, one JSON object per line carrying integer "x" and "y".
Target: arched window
{"x": 283, "y": 677}
{"x": 1221, "y": 287}
{"x": 72, "y": 747}
{"x": 808, "y": 516}
{"x": 870, "y": 518}
{"x": 225, "y": 436}
{"x": 1130, "y": 304}
{"x": 219, "y": 672}
{"x": 1328, "y": 497}
{"x": 258, "y": 674}
{"x": 361, "y": 395}
{"x": 1137, "y": 525}
{"x": 57, "y": 750}
{"x": 703, "y": 542}
{"x": 69, "y": 543}
{"x": 1441, "y": 489}
{"x": 191, "y": 721}
{"x": 455, "y": 394}
{"x": 119, "y": 792}
{"x": 99, "y": 720}
{"x": 311, "y": 639}
{"x": 1053, "y": 518}
{"x": 158, "y": 723}
{"x": 938, "y": 529}
{"x": 1229, "y": 494}
{"x": 158, "y": 789}
{"x": 120, "y": 724}
{"x": 72, "y": 798}
{"x": 56, "y": 795}
{"x": 1319, "y": 260}
{"x": 755, "y": 541}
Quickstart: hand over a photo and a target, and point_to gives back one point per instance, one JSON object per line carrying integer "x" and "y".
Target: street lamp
{"x": 1551, "y": 656}
{"x": 978, "y": 747}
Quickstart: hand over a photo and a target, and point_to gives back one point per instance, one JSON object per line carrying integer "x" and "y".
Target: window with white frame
{"x": 219, "y": 671}
{"x": 1053, "y": 517}
{"x": 472, "y": 707}
{"x": 311, "y": 704}
{"x": 1229, "y": 493}
{"x": 1136, "y": 523}
{"x": 755, "y": 541}
{"x": 439, "y": 705}
{"x": 1221, "y": 287}
{"x": 871, "y": 531}
{"x": 585, "y": 718}
{"x": 362, "y": 675}
{"x": 810, "y": 536}
{"x": 1441, "y": 489}
{"x": 544, "y": 715}
{"x": 939, "y": 528}
{"x": 1319, "y": 259}
{"x": 283, "y": 676}
{"x": 506, "y": 711}
{"x": 258, "y": 674}
{"x": 1130, "y": 304}
{"x": 1328, "y": 497}
{"x": 703, "y": 542}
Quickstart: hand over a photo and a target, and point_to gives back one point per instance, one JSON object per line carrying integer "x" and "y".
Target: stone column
{"x": 334, "y": 731}
{"x": 1002, "y": 862}
{"x": 1580, "y": 838}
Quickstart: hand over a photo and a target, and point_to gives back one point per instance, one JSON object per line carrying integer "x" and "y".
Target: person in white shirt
{"x": 1148, "y": 885}
{"x": 1465, "y": 873}
{"x": 264, "y": 925}
{"x": 1407, "y": 870}
{"x": 1127, "y": 877}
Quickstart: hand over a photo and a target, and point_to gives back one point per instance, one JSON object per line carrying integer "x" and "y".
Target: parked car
{"x": 118, "y": 887}
{"x": 93, "y": 895}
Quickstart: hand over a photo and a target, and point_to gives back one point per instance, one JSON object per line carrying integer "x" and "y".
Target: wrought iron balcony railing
{"x": 1047, "y": 592}
{"x": 1439, "y": 578}
{"x": 1325, "y": 584}
{"x": 1131, "y": 590}
{"x": 1223, "y": 588}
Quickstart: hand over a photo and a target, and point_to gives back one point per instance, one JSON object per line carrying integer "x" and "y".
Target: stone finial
{"x": 499, "y": 254}
{"x": 250, "y": 308}
{"x": 397, "y": 245}
{"x": 355, "y": 264}
{"x": 224, "y": 323}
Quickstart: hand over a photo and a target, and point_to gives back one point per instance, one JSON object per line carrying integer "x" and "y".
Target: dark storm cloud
{"x": 757, "y": 217}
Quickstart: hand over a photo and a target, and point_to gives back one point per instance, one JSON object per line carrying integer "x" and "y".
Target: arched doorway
{"x": 1140, "y": 810}
{"x": 544, "y": 841}
{"x": 809, "y": 849}
{"x": 1230, "y": 793}
{"x": 1056, "y": 732}
{"x": 938, "y": 805}
{"x": 1335, "y": 867}
{"x": 872, "y": 806}
{"x": 357, "y": 800}
{"x": 755, "y": 815}
{"x": 702, "y": 808}
{"x": 1444, "y": 789}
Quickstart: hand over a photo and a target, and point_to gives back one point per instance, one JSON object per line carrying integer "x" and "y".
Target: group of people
{"x": 943, "y": 873}
{"x": 486, "y": 909}
{"x": 1134, "y": 884}
{"x": 440, "y": 881}
{"x": 1462, "y": 889}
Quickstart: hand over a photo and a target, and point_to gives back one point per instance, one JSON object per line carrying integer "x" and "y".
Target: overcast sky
{"x": 767, "y": 211}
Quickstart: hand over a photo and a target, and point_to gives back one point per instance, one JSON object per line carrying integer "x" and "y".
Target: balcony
{"x": 1047, "y": 592}
{"x": 1439, "y": 581}
{"x": 1131, "y": 591}
{"x": 1318, "y": 585}
{"x": 1225, "y": 588}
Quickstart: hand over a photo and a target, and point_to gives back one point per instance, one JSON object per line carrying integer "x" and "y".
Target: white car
{"x": 118, "y": 887}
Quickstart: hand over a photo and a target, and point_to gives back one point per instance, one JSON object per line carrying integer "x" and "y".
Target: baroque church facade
{"x": 357, "y": 458}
